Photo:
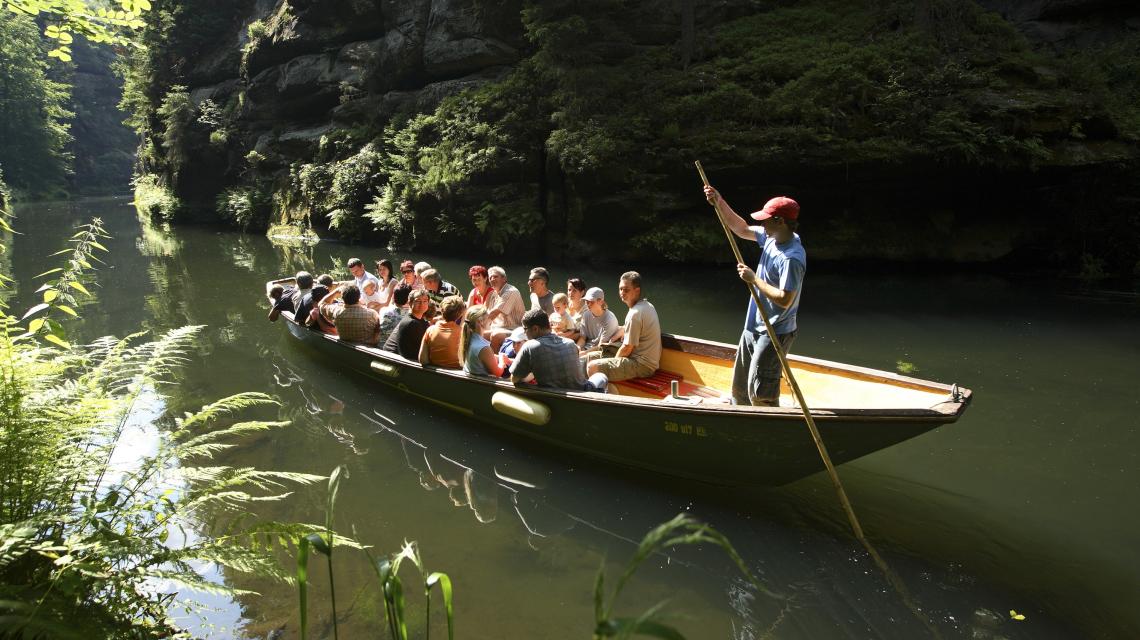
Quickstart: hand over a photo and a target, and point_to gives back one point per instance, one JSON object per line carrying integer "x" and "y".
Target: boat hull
{"x": 709, "y": 443}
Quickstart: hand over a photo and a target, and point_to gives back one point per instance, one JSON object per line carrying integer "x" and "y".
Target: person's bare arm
{"x": 731, "y": 219}
{"x": 778, "y": 296}
{"x": 490, "y": 362}
{"x": 425, "y": 351}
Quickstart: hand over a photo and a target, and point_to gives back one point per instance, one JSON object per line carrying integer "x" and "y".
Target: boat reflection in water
{"x": 573, "y": 517}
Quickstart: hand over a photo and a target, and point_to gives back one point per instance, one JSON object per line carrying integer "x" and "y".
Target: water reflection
{"x": 819, "y": 585}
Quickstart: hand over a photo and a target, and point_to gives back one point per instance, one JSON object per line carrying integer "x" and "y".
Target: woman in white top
{"x": 387, "y": 281}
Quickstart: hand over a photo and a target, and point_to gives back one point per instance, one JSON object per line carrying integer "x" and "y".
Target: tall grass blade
{"x": 303, "y": 582}
{"x": 330, "y": 509}
{"x": 445, "y": 588}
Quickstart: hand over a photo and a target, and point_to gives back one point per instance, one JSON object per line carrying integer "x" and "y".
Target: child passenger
{"x": 371, "y": 296}
{"x": 560, "y": 321}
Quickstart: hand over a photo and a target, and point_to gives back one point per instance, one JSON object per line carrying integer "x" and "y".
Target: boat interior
{"x": 704, "y": 370}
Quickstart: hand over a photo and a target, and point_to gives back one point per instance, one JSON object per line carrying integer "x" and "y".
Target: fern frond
{"x": 225, "y": 407}
{"x": 237, "y": 430}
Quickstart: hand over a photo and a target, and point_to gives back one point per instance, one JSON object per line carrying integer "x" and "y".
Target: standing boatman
{"x": 779, "y": 277}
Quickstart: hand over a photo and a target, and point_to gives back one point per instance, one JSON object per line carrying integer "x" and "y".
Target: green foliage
{"x": 339, "y": 190}
{"x": 33, "y": 118}
{"x": 59, "y": 293}
{"x": 248, "y": 207}
{"x": 510, "y": 217}
{"x": 86, "y": 532}
{"x": 392, "y": 589}
{"x": 681, "y": 530}
{"x": 97, "y": 21}
{"x": 906, "y": 368}
{"x": 177, "y": 114}
{"x": 154, "y": 200}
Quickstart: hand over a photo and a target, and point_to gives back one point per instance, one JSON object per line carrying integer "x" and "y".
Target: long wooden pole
{"x": 815, "y": 436}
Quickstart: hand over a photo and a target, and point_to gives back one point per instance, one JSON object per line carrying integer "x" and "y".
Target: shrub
{"x": 154, "y": 199}
{"x": 247, "y": 207}
{"x": 178, "y": 114}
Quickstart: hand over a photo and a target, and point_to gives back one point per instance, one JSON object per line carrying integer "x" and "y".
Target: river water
{"x": 1029, "y": 503}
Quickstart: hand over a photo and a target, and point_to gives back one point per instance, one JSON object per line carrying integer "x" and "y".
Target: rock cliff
{"x": 921, "y": 132}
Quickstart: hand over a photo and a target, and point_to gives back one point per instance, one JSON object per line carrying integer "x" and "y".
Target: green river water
{"x": 1029, "y": 503}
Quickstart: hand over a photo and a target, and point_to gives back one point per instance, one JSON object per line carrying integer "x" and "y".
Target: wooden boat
{"x": 694, "y": 434}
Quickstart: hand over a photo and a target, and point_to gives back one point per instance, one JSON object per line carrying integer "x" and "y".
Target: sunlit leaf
{"x": 35, "y": 325}
{"x": 79, "y": 287}
{"x": 444, "y": 583}
{"x": 49, "y": 272}
{"x": 65, "y": 37}
{"x": 1014, "y": 615}
{"x": 50, "y": 294}
{"x": 68, "y": 310}
{"x": 54, "y": 339}
{"x": 34, "y": 310}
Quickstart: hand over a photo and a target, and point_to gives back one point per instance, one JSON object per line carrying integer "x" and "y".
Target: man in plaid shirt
{"x": 551, "y": 358}
{"x": 354, "y": 322}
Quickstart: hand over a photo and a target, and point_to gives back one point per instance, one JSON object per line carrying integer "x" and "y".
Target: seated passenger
{"x": 440, "y": 345}
{"x": 395, "y": 312}
{"x": 304, "y": 281}
{"x": 276, "y": 292}
{"x": 640, "y": 352}
{"x": 360, "y": 275}
{"x": 354, "y": 322}
{"x": 481, "y": 287}
{"x": 291, "y": 296}
{"x": 552, "y": 360}
{"x": 560, "y": 321}
{"x": 506, "y": 309}
{"x": 540, "y": 294}
{"x": 387, "y": 279}
{"x": 437, "y": 287}
{"x": 409, "y": 273}
{"x": 314, "y": 319}
{"x": 513, "y": 342}
{"x": 370, "y": 296}
{"x": 478, "y": 359}
{"x": 576, "y": 290}
{"x": 599, "y": 324}
{"x": 409, "y": 332}
{"x": 304, "y": 304}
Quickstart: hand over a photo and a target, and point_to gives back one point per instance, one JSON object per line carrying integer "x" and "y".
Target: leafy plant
{"x": 154, "y": 199}
{"x": 681, "y": 530}
{"x": 324, "y": 545}
{"x": 87, "y": 532}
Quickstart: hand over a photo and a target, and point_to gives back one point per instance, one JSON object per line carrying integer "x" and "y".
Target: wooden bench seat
{"x": 660, "y": 385}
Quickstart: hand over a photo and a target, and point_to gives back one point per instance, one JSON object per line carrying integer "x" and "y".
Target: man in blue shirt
{"x": 779, "y": 278}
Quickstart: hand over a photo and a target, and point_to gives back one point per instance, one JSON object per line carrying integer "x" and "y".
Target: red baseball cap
{"x": 779, "y": 207}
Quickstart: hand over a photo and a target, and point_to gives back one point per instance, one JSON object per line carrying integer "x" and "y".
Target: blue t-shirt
{"x": 472, "y": 364}
{"x": 783, "y": 267}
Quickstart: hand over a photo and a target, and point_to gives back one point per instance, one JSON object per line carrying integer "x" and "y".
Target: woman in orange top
{"x": 441, "y": 340}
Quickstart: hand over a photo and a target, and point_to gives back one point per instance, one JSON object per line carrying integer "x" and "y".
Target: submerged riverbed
{"x": 1027, "y": 504}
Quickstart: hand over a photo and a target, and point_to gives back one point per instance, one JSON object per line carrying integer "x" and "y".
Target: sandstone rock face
{"x": 309, "y": 83}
